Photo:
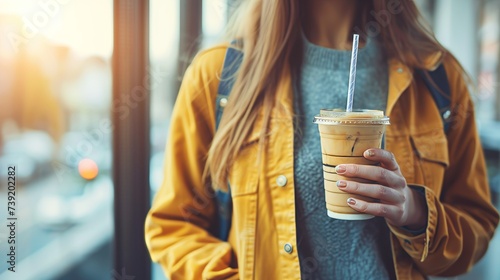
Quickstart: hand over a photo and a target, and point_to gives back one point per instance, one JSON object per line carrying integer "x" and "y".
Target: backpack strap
{"x": 439, "y": 87}
{"x": 232, "y": 63}
{"x": 223, "y": 199}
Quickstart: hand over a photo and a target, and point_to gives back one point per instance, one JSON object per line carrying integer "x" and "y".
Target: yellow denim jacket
{"x": 451, "y": 170}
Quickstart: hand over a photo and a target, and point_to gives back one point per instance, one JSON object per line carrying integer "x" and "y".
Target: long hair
{"x": 270, "y": 31}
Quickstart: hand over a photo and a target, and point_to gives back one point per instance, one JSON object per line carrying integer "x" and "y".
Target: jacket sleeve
{"x": 176, "y": 227}
{"x": 462, "y": 219}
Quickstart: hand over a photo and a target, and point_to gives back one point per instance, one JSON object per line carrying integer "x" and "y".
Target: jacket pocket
{"x": 244, "y": 172}
{"x": 431, "y": 158}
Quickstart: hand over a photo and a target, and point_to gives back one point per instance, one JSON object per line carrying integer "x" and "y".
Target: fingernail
{"x": 351, "y": 201}
{"x": 340, "y": 169}
{"x": 369, "y": 153}
{"x": 341, "y": 184}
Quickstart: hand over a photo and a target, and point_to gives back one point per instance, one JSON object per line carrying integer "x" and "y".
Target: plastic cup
{"x": 345, "y": 136}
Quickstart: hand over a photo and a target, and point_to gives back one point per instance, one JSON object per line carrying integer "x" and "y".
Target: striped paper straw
{"x": 352, "y": 72}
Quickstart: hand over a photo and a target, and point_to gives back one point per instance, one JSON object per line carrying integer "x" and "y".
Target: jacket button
{"x": 399, "y": 70}
{"x": 281, "y": 180}
{"x": 223, "y": 102}
{"x": 446, "y": 114}
{"x": 288, "y": 248}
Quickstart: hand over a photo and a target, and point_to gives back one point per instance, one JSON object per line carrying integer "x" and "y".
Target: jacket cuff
{"x": 416, "y": 243}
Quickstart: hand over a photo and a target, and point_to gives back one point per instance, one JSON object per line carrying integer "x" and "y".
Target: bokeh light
{"x": 88, "y": 169}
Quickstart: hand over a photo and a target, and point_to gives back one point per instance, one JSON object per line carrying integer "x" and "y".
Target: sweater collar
{"x": 327, "y": 58}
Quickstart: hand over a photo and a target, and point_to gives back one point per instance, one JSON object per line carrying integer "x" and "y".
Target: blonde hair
{"x": 270, "y": 31}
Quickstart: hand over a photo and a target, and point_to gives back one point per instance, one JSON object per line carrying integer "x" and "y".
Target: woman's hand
{"x": 398, "y": 204}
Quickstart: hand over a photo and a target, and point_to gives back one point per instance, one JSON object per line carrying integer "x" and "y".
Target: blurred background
{"x": 59, "y": 87}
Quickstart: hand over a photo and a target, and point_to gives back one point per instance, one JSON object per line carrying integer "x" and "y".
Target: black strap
{"x": 439, "y": 87}
{"x": 223, "y": 199}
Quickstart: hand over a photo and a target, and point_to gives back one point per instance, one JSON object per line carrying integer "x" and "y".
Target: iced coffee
{"x": 344, "y": 138}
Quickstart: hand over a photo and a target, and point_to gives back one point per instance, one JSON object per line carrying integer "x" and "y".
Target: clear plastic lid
{"x": 340, "y": 116}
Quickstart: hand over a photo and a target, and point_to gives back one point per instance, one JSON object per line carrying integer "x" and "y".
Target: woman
{"x": 434, "y": 216}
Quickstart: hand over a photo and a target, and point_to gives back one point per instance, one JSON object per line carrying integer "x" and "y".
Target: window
{"x": 55, "y": 92}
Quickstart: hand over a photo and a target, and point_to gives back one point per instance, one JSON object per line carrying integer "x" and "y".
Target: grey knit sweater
{"x": 330, "y": 248}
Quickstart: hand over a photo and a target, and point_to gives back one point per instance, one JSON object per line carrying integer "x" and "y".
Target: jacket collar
{"x": 401, "y": 76}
